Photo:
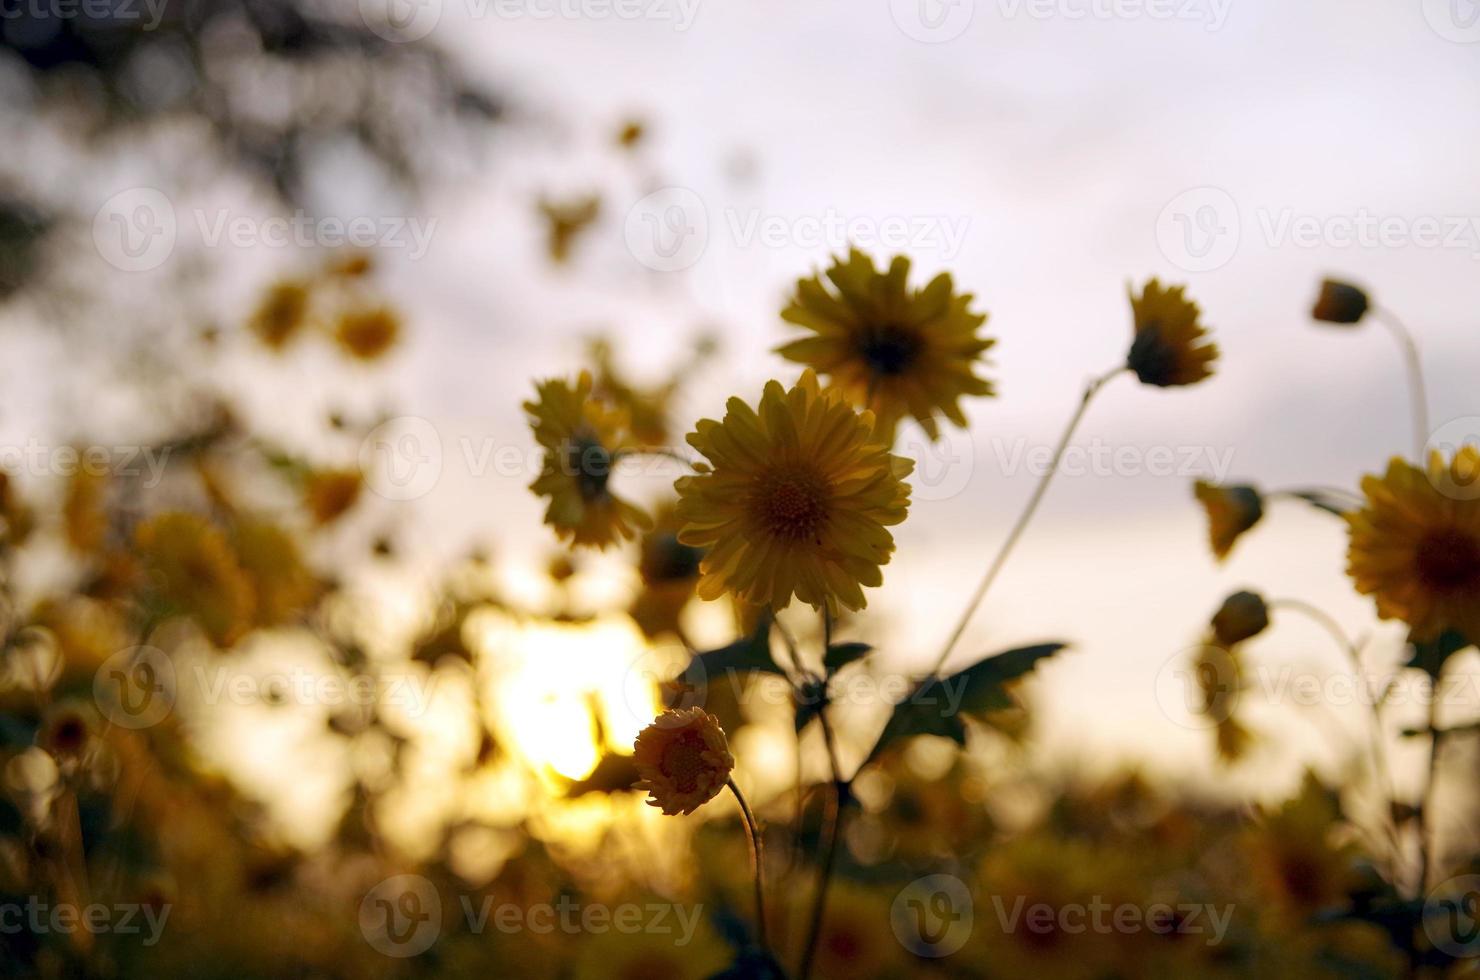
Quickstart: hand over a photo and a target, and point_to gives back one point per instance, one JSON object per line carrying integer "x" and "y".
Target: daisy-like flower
{"x": 193, "y": 572}
{"x": 889, "y": 349}
{"x": 367, "y": 334}
{"x": 1416, "y": 548}
{"x": 1168, "y": 350}
{"x": 582, "y": 438}
{"x": 796, "y": 499}
{"x": 683, "y": 760}
{"x": 1231, "y": 510}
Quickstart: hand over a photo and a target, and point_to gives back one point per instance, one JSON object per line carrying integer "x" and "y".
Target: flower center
{"x": 1447, "y": 560}
{"x": 791, "y": 503}
{"x": 590, "y": 463}
{"x": 683, "y": 761}
{"x": 888, "y": 348}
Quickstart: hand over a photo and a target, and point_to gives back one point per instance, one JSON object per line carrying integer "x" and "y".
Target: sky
{"x": 1048, "y": 154}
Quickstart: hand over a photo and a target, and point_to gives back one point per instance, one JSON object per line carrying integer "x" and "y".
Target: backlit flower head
{"x": 1168, "y": 348}
{"x": 896, "y": 351}
{"x": 683, "y": 760}
{"x": 193, "y": 572}
{"x": 582, "y": 438}
{"x": 795, "y": 500}
{"x": 1416, "y": 549}
{"x": 1231, "y": 510}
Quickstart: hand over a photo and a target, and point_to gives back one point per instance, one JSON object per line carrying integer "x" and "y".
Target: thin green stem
{"x": 753, "y": 834}
{"x": 1022, "y": 522}
{"x": 1417, "y": 392}
{"x": 1305, "y": 493}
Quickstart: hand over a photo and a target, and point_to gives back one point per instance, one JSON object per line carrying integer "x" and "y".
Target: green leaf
{"x": 937, "y": 704}
{"x": 840, "y": 655}
{"x": 747, "y": 655}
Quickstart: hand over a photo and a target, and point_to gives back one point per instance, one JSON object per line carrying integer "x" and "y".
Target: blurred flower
{"x": 683, "y": 759}
{"x": 281, "y": 315}
{"x": 582, "y": 438}
{"x": 1231, "y": 510}
{"x": 795, "y": 499}
{"x": 351, "y": 266}
{"x": 564, "y": 222}
{"x": 1340, "y": 302}
{"x": 886, "y": 348}
{"x": 1242, "y": 616}
{"x": 368, "y": 333}
{"x": 1219, "y": 670}
{"x": 328, "y": 494}
{"x": 670, "y": 573}
{"x": 1167, "y": 349}
{"x": 281, "y": 582}
{"x": 646, "y": 954}
{"x": 83, "y": 514}
{"x": 1416, "y": 550}
{"x": 646, "y": 409}
{"x": 193, "y": 572}
{"x": 630, "y": 134}
{"x": 854, "y": 940}
{"x": 66, "y": 729}
{"x": 1293, "y": 855}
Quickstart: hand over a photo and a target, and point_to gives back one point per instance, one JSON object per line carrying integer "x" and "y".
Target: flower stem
{"x": 1382, "y": 772}
{"x": 1423, "y": 817}
{"x": 753, "y": 834}
{"x": 1416, "y": 390}
{"x": 832, "y": 824}
{"x": 1022, "y": 522}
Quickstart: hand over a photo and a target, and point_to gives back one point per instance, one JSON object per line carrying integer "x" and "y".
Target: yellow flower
{"x": 565, "y": 221}
{"x": 1166, "y": 350}
{"x": 1416, "y": 548}
{"x": 1232, "y": 510}
{"x": 582, "y": 438}
{"x": 16, "y": 519}
{"x": 194, "y": 573}
{"x": 282, "y": 314}
{"x": 367, "y": 334}
{"x": 328, "y": 494}
{"x": 888, "y": 349}
{"x": 683, "y": 760}
{"x": 795, "y": 500}
{"x": 84, "y": 514}
{"x": 271, "y": 560}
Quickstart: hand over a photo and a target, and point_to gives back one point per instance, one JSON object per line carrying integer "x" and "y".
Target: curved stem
{"x": 1423, "y": 816}
{"x": 832, "y": 823}
{"x": 1304, "y": 494}
{"x": 753, "y": 834}
{"x": 1382, "y": 771}
{"x": 1417, "y": 393}
{"x": 1022, "y": 522}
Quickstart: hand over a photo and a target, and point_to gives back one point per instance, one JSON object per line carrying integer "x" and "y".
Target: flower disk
{"x": 1167, "y": 349}
{"x": 1416, "y": 548}
{"x": 795, "y": 500}
{"x": 888, "y": 349}
{"x": 683, "y": 760}
{"x": 582, "y": 439}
